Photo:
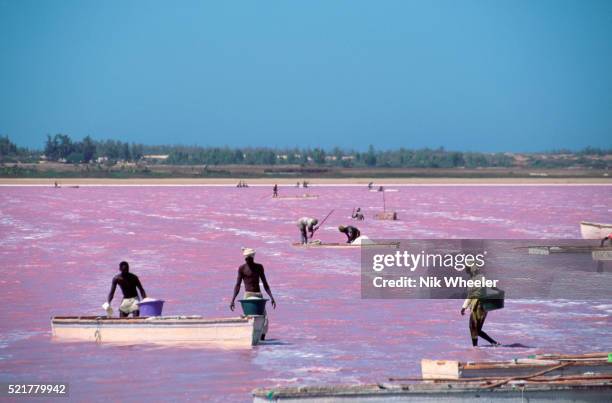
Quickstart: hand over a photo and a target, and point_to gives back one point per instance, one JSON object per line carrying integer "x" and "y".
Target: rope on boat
{"x": 97, "y": 334}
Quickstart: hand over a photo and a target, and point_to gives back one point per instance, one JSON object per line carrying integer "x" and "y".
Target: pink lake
{"x": 60, "y": 249}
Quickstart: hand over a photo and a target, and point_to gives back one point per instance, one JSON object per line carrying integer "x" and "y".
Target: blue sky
{"x": 466, "y": 75}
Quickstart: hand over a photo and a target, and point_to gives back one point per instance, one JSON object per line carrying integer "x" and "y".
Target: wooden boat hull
{"x": 544, "y": 378}
{"x": 455, "y": 370}
{"x": 592, "y": 230}
{"x": 550, "y": 249}
{"x": 394, "y": 245}
{"x": 594, "y": 391}
{"x": 305, "y": 197}
{"x": 225, "y": 333}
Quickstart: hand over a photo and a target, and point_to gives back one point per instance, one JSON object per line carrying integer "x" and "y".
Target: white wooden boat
{"x": 337, "y": 245}
{"x": 225, "y": 332}
{"x": 303, "y": 197}
{"x": 593, "y": 230}
{"x": 550, "y": 249}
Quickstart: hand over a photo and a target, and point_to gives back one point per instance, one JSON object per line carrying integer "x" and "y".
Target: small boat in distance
{"x": 384, "y": 190}
{"x": 303, "y": 197}
{"x": 335, "y": 245}
{"x": 225, "y": 333}
{"x": 592, "y": 230}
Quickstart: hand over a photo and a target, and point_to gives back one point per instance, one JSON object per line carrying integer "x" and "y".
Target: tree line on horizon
{"x": 63, "y": 148}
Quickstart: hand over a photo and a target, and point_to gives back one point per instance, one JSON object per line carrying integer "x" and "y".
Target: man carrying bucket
{"x": 478, "y": 313}
{"x": 129, "y": 284}
{"x": 250, "y": 273}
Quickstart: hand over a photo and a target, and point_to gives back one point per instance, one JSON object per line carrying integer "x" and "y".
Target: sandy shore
{"x": 311, "y": 181}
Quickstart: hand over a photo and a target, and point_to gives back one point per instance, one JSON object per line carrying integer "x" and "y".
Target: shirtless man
{"x": 250, "y": 273}
{"x": 129, "y": 284}
{"x": 357, "y": 214}
{"x": 351, "y": 232}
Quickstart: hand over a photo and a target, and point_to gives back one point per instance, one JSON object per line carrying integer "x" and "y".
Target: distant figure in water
{"x": 251, "y": 273}
{"x": 275, "y": 191}
{"x": 304, "y": 184}
{"x": 478, "y": 315}
{"x": 56, "y": 184}
{"x": 351, "y": 232}
{"x": 128, "y": 283}
{"x": 306, "y": 225}
{"x": 370, "y": 185}
{"x": 381, "y": 189}
{"x": 608, "y": 238}
{"x": 357, "y": 214}
{"x": 297, "y": 185}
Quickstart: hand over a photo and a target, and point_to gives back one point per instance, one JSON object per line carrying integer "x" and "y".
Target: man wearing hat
{"x": 251, "y": 273}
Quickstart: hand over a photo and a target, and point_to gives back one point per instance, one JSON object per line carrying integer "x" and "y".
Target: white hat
{"x": 246, "y": 252}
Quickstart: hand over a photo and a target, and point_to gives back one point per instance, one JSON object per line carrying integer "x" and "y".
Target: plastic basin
{"x": 151, "y": 308}
{"x": 253, "y": 306}
{"x": 494, "y": 300}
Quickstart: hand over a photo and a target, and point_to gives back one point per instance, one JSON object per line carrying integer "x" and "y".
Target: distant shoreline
{"x": 312, "y": 181}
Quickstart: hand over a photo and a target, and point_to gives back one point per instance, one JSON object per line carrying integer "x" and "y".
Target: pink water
{"x": 61, "y": 247}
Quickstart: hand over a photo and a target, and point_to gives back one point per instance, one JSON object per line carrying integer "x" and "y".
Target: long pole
{"x": 325, "y": 219}
{"x": 384, "y": 201}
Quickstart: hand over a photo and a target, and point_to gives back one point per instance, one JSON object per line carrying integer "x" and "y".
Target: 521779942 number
{"x": 34, "y": 389}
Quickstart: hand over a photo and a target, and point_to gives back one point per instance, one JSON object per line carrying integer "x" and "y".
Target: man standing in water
{"x": 251, "y": 273}
{"x": 275, "y": 191}
{"x": 478, "y": 315}
{"x": 129, "y": 284}
{"x": 357, "y": 214}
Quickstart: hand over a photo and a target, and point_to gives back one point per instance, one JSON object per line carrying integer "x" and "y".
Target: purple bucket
{"x": 151, "y": 308}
